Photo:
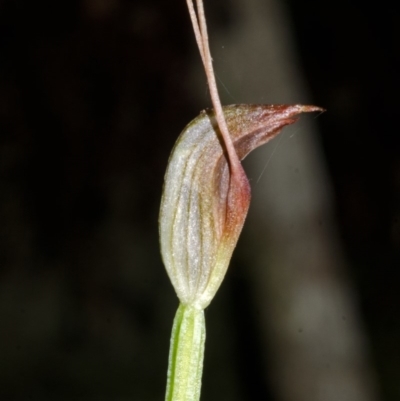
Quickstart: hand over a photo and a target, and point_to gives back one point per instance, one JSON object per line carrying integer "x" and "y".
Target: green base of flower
{"x": 185, "y": 366}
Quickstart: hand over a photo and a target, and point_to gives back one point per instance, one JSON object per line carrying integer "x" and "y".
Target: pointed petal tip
{"x": 310, "y": 109}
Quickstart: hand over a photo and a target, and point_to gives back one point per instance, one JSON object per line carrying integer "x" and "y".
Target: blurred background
{"x": 93, "y": 94}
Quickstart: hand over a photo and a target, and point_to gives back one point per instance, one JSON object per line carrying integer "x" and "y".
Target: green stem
{"x": 186, "y": 355}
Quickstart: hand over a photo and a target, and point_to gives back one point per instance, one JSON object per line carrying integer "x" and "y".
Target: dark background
{"x": 92, "y": 98}
{"x": 349, "y": 55}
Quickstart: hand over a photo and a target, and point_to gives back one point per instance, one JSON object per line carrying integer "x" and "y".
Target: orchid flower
{"x": 205, "y": 200}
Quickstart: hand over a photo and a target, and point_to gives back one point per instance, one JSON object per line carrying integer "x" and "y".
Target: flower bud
{"x": 206, "y": 198}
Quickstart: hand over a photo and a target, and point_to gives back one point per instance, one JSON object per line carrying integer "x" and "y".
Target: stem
{"x": 185, "y": 365}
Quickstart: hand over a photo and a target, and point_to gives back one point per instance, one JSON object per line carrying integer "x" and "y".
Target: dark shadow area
{"x": 350, "y": 58}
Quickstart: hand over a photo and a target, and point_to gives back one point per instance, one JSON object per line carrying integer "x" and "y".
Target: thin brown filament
{"x": 196, "y": 28}
{"x": 200, "y": 31}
